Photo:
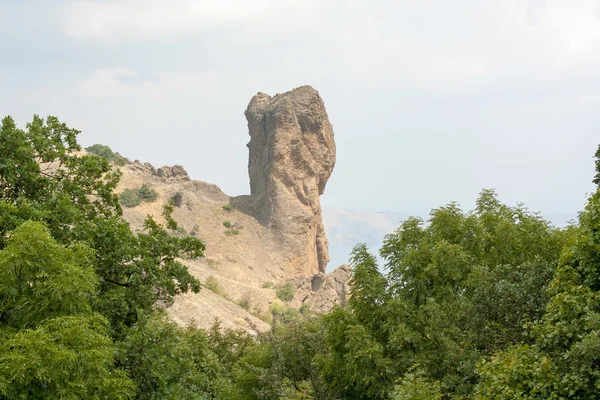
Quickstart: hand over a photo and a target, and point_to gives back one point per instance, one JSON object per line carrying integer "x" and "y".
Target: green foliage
{"x": 134, "y": 197}
{"x": 168, "y": 363}
{"x": 106, "y": 152}
{"x": 130, "y": 198}
{"x": 561, "y": 358}
{"x": 285, "y": 292}
{"x": 458, "y": 288}
{"x": 414, "y": 385}
{"x": 64, "y": 357}
{"x": 43, "y": 179}
{"x": 40, "y": 279}
{"x": 146, "y": 193}
{"x": 227, "y": 224}
{"x": 56, "y": 347}
{"x": 232, "y": 232}
{"x": 268, "y": 285}
{"x": 228, "y": 207}
{"x": 283, "y": 314}
{"x": 356, "y": 366}
{"x": 494, "y": 303}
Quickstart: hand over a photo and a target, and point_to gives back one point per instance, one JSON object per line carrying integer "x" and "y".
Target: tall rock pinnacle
{"x": 292, "y": 155}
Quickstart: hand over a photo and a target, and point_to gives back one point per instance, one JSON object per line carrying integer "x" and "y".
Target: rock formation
{"x": 292, "y": 155}
{"x": 323, "y": 291}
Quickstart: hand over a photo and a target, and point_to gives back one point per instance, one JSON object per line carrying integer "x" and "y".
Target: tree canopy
{"x": 491, "y": 303}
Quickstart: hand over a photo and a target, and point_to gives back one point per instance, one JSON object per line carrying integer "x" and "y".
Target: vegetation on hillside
{"x": 492, "y": 303}
{"x": 107, "y": 153}
{"x": 134, "y": 197}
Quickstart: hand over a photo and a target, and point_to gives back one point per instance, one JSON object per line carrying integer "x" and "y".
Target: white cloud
{"x": 575, "y": 25}
{"x": 135, "y": 18}
{"x": 115, "y": 82}
{"x": 123, "y": 81}
{"x": 563, "y": 34}
{"x": 454, "y": 69}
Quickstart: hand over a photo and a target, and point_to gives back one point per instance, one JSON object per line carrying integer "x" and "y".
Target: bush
{"x": 227, "y": 224}
{"x": 212, "y": 284}
{"x": 228, "y": 207}
{"x": 285, "y": 292}
{"x": 258, "y": 313}
{"x": 106, "y": 152}
{"x": 268, "y": 285}
{"x": 232, "y": 231}
{"x": 304, "y": 309}
{"x": 284, "y": 314}
{"x": 245, "y": 301}
{"x": 130, "y": 198}
{"x": 133, "y": 197}
{"x": 146, "y": 193}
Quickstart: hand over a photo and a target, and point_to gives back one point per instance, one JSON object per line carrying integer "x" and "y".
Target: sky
{"x": 431, "y": 101}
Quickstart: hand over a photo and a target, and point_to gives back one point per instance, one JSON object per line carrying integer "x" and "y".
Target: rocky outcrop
{"x": 322, "y": 292}
{"x": 176, "y": 173}
{"x": 292, "y": 155}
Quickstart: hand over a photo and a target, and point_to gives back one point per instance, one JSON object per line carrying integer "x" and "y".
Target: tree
{"x": 52, "y": 346}
{"x": 562, "y": 356}
{"x": 459, "y": 287}
{"x": 43, "y": 178}
{"x": 106, "y": 152}
{"x": 166, "y": 362}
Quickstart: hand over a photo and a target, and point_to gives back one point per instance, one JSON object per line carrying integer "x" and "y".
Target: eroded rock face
{"x": 292, "y": 155}
{"x": 176, "y": 173}
{"x": 323, "y": 292}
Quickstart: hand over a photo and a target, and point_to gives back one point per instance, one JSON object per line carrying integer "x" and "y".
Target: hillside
{"x": 259, "y": 243}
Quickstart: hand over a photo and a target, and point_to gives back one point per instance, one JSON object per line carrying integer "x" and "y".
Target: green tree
{"x": 106, "y": 152}
{"x": 562, "y": 357}
{"x": 415, "y": 386}
{"x": 166, "y": 362}
{"x": 457, "y": 288}
{"x": 42, "y": 178}
{"x": 146, "y": 193}
{"x": 130, "y": 198}
{"x": 52, "y": 346}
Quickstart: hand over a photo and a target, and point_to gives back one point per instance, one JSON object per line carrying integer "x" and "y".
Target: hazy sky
{"x": 431, "y": 101}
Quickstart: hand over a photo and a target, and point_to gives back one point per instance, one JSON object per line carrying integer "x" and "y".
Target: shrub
{"x": 146, "y": 193}
{"x": 284, "y": 314}
{"x": 232, "y": 231}
{"x": 212, "y": 284}
{"x": 130, "y": 198}
{"x": 106, "y": 152}
{"x": 228, "y": 207}
{"x": 266, "y": 316}
{"x": 245, "y": 301}
{"x": 304, "y": 309}
{"x": 227, "y": 224}
{"x": 285, "y": 292}
{"x": 268, "y": 285}
{"x": 133, "y": 197}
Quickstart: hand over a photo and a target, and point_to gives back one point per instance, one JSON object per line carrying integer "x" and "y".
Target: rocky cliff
{"x": 268, "y": 239}
{"x": 292, "y": 155}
